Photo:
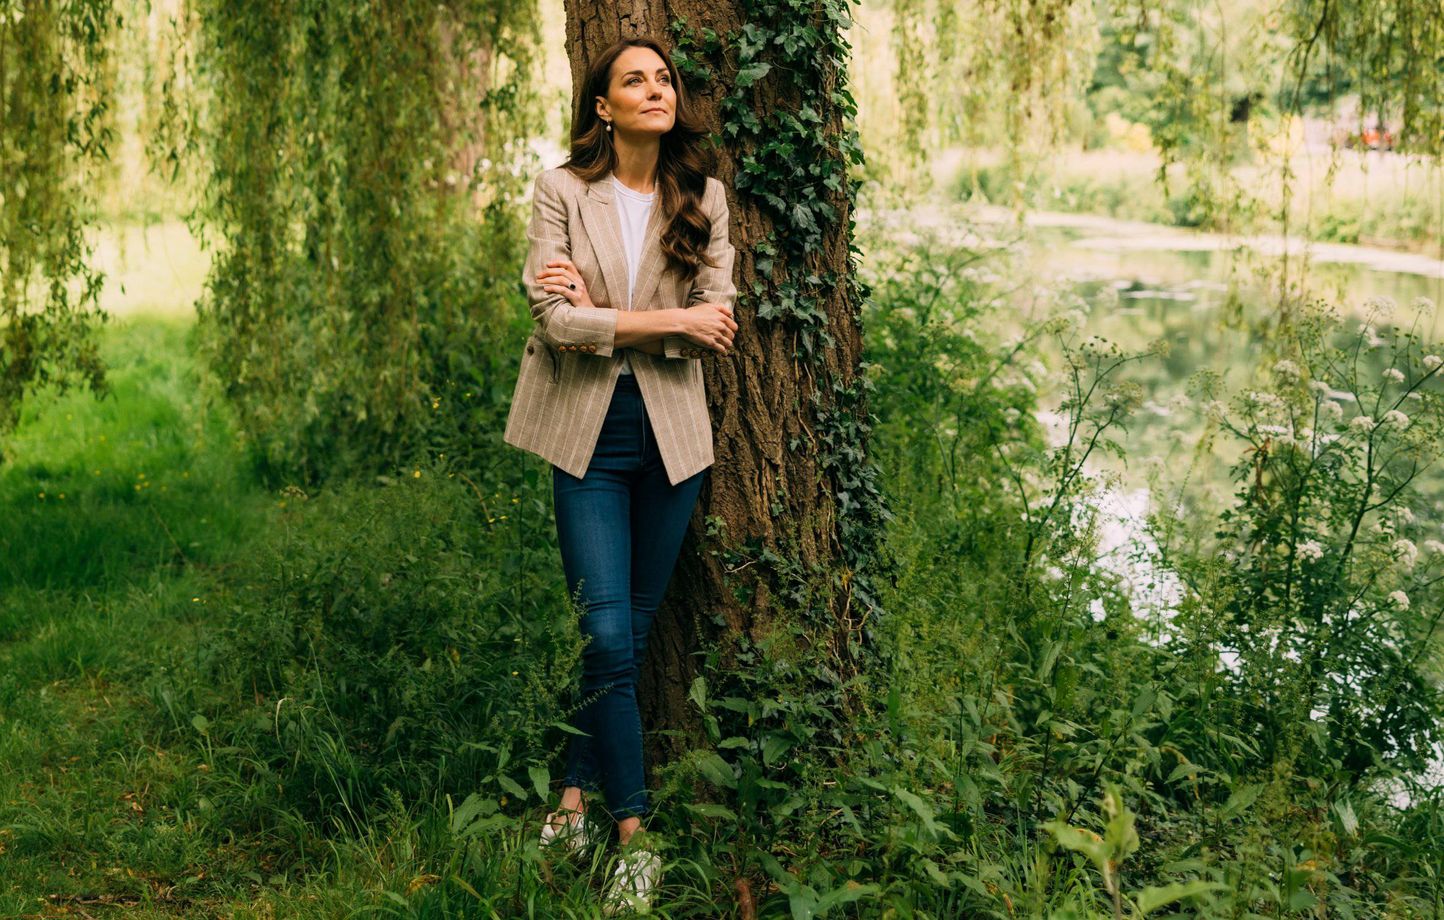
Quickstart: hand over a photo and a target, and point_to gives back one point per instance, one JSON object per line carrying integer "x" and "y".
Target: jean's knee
{"x": 608, "y": 654}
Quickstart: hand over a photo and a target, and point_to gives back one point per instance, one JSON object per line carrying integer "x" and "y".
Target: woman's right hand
{"x": 710, "y": 325}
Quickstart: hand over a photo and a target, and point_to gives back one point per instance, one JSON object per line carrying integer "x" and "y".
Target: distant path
{"x": 157, "y": 270}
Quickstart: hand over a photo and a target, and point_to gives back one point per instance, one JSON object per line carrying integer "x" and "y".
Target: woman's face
{"x": 640, "y": 97}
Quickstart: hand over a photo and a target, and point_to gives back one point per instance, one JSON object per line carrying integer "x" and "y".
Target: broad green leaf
{"x": 1079, "y": 840}
{"x": 540, "y": 779}
{"x": 511, "y": 785}
{"x": 1155, "y": 896}
{"x": 773, "y": 747}
{"x": 712, "y": 810}
{"x": 849, "y": 891}
{"x": 923, "y": 811}
{"x": 1347, "y": 819}
{"x": 717, "y": 770}
{"x": 1241, "y": 799}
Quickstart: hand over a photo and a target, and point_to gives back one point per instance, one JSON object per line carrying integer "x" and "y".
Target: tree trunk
{"x": 468, "y": 66}
{"x": 768, "y": 486}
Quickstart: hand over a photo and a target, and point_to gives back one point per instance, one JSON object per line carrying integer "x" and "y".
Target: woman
{"x": 629, "y": 277}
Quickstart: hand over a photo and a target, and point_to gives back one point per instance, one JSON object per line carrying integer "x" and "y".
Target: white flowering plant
{"x": 1313, "y": 583}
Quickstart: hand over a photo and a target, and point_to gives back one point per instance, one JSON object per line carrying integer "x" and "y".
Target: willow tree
{"x": 55, "y": 80}
{"x": 358, "y": 168}
{"x": 781, "y": 556}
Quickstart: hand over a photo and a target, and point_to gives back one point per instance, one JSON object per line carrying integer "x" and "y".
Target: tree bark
{"x": 468, "y": 66}
{"x": 759, "y": 397}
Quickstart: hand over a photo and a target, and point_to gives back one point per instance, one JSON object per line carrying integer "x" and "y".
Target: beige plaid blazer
{"x": 570, "y": 365}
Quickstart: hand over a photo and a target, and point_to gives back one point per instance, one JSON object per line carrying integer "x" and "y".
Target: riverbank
{"x": 1371, "y": 198}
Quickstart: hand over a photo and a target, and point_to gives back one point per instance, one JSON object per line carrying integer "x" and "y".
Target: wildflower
{"x": 1286, "y": 369}
{"x": 1406, "y": 552}
{"x": 1332, "y": 409}
{"x": 1310, "y": 550}
{"x": 1363, "y": 423}
{"x": 1265, "y": 400}
{"x": 1382, "y": 305}
{"x": 1396, "y": 418}
{"x": 1432, "y": 361}
{"x": 1401, "y": 599}
{"x": 1319, "y": 386}
{"x": 1394, "y": 374}
{"x": 1434, "y": 546}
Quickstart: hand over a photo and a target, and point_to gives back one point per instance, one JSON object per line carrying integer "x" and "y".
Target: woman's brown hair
{"x": 683, "y": 162}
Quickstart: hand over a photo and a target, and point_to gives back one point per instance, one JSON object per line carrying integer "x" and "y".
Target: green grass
{"x": 119, "y": 513}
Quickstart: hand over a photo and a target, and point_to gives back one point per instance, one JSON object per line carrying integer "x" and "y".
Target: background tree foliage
{"x": 362, "y": 173}
{"x": 55, "y": 94}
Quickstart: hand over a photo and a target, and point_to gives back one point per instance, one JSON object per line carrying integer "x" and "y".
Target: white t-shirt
{"x": 633, "y": 208}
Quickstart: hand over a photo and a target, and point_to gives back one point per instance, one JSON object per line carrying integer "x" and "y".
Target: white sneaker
{"x": 633, "y": 882}
{"x": 574, "y": 830}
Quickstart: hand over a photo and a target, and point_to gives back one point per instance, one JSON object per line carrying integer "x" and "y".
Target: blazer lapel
{"x": 604, "y": 232}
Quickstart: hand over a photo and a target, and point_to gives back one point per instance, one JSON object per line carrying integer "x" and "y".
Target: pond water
{"x": 1213, "y": 299}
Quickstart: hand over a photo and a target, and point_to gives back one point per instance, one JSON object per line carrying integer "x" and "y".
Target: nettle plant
{"x": 1319, "y": 592}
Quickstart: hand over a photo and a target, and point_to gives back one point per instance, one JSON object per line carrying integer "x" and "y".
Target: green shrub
{"x": 398, "y": 636}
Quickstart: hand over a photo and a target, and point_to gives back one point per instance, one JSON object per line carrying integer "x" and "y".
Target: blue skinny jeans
{"x": 619, "y": 528}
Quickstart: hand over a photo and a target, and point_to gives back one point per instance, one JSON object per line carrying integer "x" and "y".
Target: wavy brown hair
{"x": 683, "y": 161}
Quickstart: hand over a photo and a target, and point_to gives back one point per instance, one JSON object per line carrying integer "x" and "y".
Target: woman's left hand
{"x": 561, "y": 277}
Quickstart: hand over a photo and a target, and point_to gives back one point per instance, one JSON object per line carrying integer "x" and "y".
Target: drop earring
{"x": 609, "y": 126}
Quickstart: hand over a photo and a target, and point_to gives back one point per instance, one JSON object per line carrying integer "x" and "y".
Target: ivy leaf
{"x": 752, "y": 73}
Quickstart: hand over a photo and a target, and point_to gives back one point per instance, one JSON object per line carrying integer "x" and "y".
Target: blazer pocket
{"x": 534, "y": 342}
